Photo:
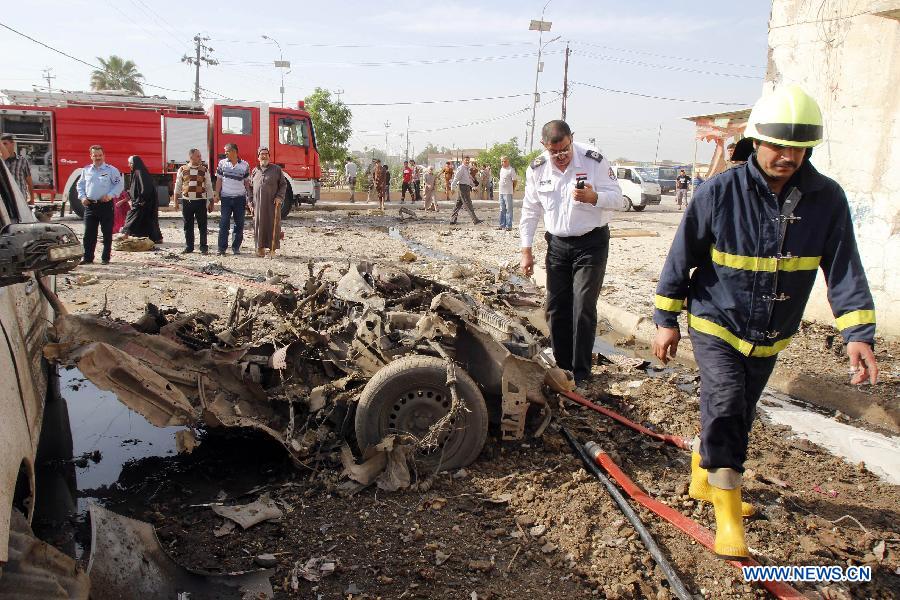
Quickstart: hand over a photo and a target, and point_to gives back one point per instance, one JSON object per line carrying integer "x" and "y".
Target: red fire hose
{"x": 675, "y": 440}
{"x": 685, "y": 524}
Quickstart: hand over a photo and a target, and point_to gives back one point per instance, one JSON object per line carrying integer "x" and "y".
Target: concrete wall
{"x": 846, "y": 54}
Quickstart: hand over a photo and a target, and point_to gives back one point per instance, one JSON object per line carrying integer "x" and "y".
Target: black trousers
{"x": 98, "y": 214}
{"x": 730, "y": 387}
{"x": 417, "y": 187}
{"x": 575, "y": 270}
{"x": 407, "y": 185}
{"x": 192, "y": 210}
{"x": 463, "y": 198}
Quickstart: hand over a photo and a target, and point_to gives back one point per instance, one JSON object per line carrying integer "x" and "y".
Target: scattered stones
{"x": 266, "y": 560}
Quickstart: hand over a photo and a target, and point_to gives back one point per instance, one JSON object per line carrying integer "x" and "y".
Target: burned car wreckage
{"x": 374, "y": 354}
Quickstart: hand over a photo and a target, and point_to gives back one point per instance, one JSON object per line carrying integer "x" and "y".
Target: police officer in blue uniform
{"x": 98, "y": 185}
{"x": 573, "y": 187}
{"x": 755, "y": 237}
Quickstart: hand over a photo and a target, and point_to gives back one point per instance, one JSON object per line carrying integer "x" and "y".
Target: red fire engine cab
{"x": 55, "y": 130}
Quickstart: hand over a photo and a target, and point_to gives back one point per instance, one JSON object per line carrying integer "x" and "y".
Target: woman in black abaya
{"x": 143, "y": 218}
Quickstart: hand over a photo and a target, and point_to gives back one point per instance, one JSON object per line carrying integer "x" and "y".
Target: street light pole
{"x": 280, "y": 64}
{"x": 539, "y": 26}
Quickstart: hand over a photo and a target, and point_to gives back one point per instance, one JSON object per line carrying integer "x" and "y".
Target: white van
{"x": 640, "y": 187}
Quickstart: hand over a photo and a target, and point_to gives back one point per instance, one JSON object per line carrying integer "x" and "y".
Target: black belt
{"x": 548, "y": 236}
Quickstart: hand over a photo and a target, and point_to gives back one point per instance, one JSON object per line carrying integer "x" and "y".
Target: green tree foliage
{"x": 331, "y": 120}
{"x": 117, "y": 74}
{"x": 511, "y": 150}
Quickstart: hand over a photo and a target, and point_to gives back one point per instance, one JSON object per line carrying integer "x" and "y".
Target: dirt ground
{"x": 525, "y": 518}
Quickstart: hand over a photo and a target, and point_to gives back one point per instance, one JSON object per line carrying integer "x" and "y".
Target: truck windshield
{"x": 648, "y": 175}
{"x": 293, "y": 132}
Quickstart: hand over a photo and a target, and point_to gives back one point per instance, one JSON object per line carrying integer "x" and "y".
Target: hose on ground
{"x": 678, "y": 587}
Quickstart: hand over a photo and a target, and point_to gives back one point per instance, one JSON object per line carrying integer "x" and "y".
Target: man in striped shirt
{"x": 18, "y": 166}
{"x": 232, "y": 188}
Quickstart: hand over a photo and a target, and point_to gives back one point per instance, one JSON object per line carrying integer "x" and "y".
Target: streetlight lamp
{"x": 280, "y": 64}
{"x": 540, "y": 26}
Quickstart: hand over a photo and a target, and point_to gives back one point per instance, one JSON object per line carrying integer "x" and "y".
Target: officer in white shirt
{"x": 574, "y": 188}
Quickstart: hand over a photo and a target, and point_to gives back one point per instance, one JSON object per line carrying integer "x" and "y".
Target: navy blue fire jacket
{"x": 749, "y": 287}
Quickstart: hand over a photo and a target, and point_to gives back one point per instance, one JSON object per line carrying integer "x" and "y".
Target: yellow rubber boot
{"x": 700, "y": 489}
{"x": 730, "y": 542}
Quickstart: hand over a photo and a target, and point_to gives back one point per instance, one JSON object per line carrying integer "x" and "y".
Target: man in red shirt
{"x": 407, "y": 183}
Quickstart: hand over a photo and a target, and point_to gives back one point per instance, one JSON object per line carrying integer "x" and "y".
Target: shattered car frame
{"x": 372, "y": 353}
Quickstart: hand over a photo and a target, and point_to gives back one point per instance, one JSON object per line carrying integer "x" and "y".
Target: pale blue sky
{"x": 400, "y": 51}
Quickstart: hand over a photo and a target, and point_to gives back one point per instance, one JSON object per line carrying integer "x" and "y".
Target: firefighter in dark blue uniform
{"x": 755, "y": 237}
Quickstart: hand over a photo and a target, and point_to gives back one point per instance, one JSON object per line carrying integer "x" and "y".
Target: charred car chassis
{"x": 372, "y": 353}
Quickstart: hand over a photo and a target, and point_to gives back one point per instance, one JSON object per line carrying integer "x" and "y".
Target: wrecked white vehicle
{"x": 374, "y": 353}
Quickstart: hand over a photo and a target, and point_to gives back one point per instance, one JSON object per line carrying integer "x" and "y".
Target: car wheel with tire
{"x": 75, "y": 204}
{"x": 411, "y": 394}
{"x": 627, "y": 203}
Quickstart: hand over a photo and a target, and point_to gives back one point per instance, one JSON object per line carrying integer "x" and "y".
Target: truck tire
{"x": 409, "y": 396}
{"x": 628, "y": 205}
{"x": 38, "y": 570}
{"x": 288, "y": 203}
{"x": 75, "y": 204}
{"x": 639, "y": 208}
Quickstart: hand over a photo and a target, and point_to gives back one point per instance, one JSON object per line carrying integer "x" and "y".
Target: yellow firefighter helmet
{"x": 787, "y": 117}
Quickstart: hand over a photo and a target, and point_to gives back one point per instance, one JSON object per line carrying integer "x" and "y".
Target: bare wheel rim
{"x": 415, "y": 410}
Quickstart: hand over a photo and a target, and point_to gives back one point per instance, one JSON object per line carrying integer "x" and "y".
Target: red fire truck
{"x": 55, "y": 130}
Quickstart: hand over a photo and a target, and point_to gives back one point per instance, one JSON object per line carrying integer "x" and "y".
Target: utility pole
{"x": 658, "y": 135}
{"x": 201, "y": 55}
{"x": 407, "y": 137}
{"x": 387, "y": 125}
{"x": 338, "y": 94}
{"x": 46, "y": 75}
{"x": 565, "y": 83}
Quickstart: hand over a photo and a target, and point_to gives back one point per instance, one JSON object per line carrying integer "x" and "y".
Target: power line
{"x": 163, "y": 25}
{"x": 451, "y": 101}
{"x": 684, "y": 58}
{"x": 629, "y": 93}
{"x": 664, "y": 67}
{"x": 462, "y": 125}
{"x": 76, "y": 59}
{"x": 400, "y": 63}
{"x": 387, "y": 46}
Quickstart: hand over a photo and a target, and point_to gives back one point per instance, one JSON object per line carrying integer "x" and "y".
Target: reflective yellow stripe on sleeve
{"x": 770, "y": 264}
{"x": 743, "y": 346}
{"x": 669, "y": 304}
{"x": 855, "y": 317}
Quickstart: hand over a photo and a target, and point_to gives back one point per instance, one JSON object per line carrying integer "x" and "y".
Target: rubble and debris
{"x": 314, "y": 569}
{"x": 295, "y": 361}
{"x": 186, "y": 441}
{"x": 133, "y": 244}
{"x": 248, "y": 515}
{"x": 127, "y": 561}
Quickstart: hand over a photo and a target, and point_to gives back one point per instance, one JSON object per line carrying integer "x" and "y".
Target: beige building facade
{"x": 846, "y": 54}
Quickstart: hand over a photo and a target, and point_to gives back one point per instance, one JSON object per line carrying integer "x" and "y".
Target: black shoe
{"x": 204, "y": 251}
{"x": 85, "y": 261}
{"x": 235, "y": 251}
{"x": 187, "y": 250}
{"x": 509, "y": 228}
{"x": 477, "y": 221}
{"x": 105, "y": 261}
{"x": 221, "y": 253}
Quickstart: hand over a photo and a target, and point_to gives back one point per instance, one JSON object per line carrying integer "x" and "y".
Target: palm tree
{"x": 117, "y": 74}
